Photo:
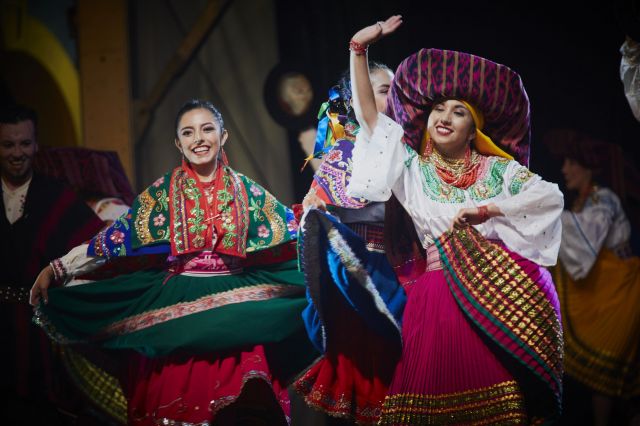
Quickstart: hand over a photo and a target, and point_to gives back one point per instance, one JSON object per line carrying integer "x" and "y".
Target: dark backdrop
{"x": 566, "y": 52}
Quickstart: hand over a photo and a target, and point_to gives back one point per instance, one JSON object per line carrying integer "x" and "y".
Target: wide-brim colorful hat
{"x": 494, "y": 89}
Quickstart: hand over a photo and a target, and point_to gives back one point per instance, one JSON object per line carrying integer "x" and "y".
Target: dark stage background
{"x": 566, "y": 52}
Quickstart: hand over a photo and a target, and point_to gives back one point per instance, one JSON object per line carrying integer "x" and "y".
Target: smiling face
{"x": 576, "y": 176}
{"x": 451, "y": 128}
{"x": 381, "y": 82}
{"x": 199, "y": 139}
{"x": 17, "y": 150}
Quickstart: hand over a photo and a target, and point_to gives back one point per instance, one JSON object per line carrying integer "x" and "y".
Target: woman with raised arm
{"x": 210, "y": 315}
{"x": 355, "y": 301}
{"x": 481, "y": 334}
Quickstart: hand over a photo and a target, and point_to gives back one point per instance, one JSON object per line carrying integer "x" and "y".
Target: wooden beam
{"x": 103, "y": 52}
{"x": 188, "y": 48}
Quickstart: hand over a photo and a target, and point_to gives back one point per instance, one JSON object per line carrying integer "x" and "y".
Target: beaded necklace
{"x": 461, "y": 173}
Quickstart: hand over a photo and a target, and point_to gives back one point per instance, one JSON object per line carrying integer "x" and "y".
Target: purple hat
{"x": 492, "y": 88}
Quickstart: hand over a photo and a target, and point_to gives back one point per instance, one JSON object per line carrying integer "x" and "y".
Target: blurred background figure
{"x": 41, "y": 218}
{"x": 598, "y": 278}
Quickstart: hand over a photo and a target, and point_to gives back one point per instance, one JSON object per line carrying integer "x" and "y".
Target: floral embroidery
{"x": 435, "y": 188}
{"x": 334, "y": 156}
{"x": 159, "y": 220}
{"x": 255, "y": 207}
{"x": 158, "y": 182}
{"x": 179, "y": 310}
{"x": 521, "y": 177}
{"x": 489, "y": 183}
{"x": 256, "y": 191}
{"x": 117, "y": 237}
{"x": 224, "y": 201}
{"x": 263, "y": 231}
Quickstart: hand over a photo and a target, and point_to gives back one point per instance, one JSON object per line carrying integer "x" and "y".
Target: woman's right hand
{"x": 311, "y": 200}
{"x": 41, "y": 286}
{"x": 372, "y": 33}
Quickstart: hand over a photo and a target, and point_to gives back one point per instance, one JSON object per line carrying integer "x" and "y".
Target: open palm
{"x": 375, "y": 32}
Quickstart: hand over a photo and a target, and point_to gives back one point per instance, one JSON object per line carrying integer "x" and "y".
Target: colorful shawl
{"x": 172, "y": 216}
{"x": 513, "y": 302}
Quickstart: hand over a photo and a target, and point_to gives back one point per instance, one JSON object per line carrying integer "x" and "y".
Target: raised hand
{"x": 372, "y": 33}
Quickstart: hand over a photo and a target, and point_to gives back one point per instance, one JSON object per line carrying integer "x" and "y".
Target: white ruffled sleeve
{"x": 75, "y": 263}
{"x": 378, "y": 161}
{"x": 531, "y": 223}
{"x": 584, "y": 233}
{"x": 630, "y": 74}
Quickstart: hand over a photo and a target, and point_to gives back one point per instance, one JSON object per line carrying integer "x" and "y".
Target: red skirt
{"x": 180, "y": 388}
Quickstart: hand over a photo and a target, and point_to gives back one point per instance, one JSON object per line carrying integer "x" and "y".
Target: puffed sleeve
{"x": 76, "y": 262}
{"x": 378, "y": 161}
{"x": 531, "y": 223}
{"x": 584, "y": 233}
{"x": 630, "y": 74}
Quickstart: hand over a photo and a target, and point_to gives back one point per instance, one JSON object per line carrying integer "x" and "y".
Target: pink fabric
{"x": 194, "y": 389}
{"x": 442, "y": 351}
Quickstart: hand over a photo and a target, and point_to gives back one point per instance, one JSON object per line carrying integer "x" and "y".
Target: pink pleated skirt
{"x": 448, "y": 373}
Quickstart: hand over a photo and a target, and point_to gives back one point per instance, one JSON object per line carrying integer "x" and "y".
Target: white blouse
{"x": 601, "y": 223}
{"x": 630, "y": 74}
{"x": 383, "y": 164}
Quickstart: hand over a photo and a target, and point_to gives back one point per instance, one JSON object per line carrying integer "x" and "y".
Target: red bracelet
{"x": 483, "y": 213}
{"x": 357, "y": 48}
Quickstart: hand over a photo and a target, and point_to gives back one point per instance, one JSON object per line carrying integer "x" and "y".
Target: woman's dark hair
{"x": 192, "y": 104}
{"x": 344, "y": 88}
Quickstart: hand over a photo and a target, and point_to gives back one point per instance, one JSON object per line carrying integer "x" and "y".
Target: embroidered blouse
{"x": 172, "y": 217}
{"x": 531, "y": 225}
{"x": 601, "y": 223}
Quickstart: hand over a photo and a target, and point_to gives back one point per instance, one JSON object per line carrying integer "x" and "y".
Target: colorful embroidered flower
{"x": 334, "y": 156}
{"x": 263, "y": 231}
{"x": 226, "y": 217}
{"x": 159, "y": 220}
{"x": 117, "y": 237}
{"x": 292, "y": 226}
{"x": 255, "y": 191}
{"x": 158, "y": 182}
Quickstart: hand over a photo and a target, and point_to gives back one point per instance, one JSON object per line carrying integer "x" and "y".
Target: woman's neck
{"x": 453, "y": 153}
{"x": 205, "y": 173}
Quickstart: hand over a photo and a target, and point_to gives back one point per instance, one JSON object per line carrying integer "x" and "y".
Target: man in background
{"x": 40, "y": 220}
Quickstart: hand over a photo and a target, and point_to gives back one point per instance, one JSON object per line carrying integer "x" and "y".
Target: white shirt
{"x": 601, "y": 223}
{"x": 14, "y": 200}
{"x": 531, "y": 226}
{"x": 630, "y": 74}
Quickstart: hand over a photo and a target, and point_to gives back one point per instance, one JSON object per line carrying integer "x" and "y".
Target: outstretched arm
{"x": 364, "y": 103}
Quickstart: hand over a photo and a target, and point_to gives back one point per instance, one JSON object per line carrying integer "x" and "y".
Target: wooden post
{"x": 103, "y": 52}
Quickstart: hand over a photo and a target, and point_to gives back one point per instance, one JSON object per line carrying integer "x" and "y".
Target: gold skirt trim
{"x": 500, "y": 404}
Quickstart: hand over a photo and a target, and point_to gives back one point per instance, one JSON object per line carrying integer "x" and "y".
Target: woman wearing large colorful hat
{"x": 482, "y": 339}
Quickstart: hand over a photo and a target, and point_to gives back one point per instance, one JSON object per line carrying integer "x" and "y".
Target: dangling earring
{"x": 467, "y": 155}
{"x": 427, "y": 146}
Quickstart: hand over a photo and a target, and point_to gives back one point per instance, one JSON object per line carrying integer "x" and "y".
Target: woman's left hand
{"x": 474, "y": 216}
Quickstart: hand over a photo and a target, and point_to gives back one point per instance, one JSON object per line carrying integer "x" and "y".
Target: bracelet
{"x": 483, "y": 213}
{"x": 358, "y": 48}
